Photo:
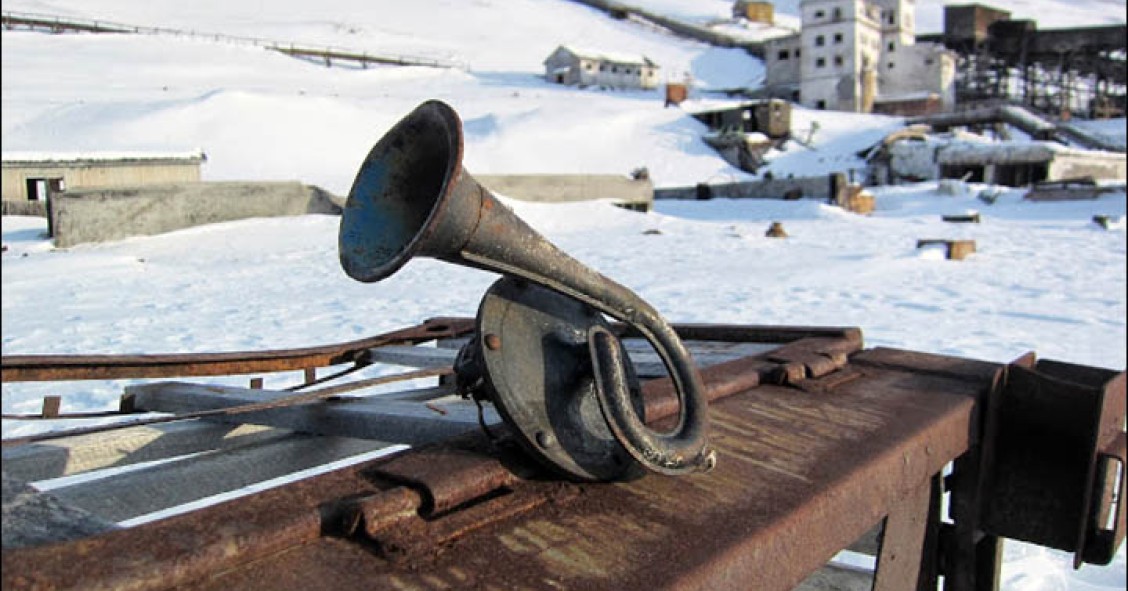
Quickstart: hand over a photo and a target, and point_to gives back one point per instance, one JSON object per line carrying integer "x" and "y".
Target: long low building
{"x": 914, "y": 155}
{"x": 30, "y": 176}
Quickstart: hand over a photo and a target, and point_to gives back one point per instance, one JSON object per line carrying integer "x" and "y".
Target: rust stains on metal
{"x": 807, "y": 466}
{"x": 31, "y": 368}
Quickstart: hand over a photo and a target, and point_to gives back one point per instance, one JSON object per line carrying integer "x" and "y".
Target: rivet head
{"x": 493, "y": 342}
{"x": 545, "y": 439}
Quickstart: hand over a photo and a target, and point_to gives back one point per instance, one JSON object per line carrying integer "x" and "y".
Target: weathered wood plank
{"x": 127, "y": 446}
{"x": 168, "y": 484}
{"x": 401, "y": 421}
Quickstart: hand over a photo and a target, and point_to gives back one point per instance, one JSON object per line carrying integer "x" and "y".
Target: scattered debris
{"x": 1108, "y": 222}
{"x": 989, "y": 196}
{"x": 955, "y": 250}
{"x": 776, "y": 231}
{"x": 967, "y": 218}
{"x": 953, "y": 187}
{"x": 852, "y": 197}
{"x": 1065, "y": 190}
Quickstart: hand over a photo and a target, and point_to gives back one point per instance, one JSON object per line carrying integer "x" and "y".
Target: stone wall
{"x": 818, "y": 187}
{"x": 559, "y": 188}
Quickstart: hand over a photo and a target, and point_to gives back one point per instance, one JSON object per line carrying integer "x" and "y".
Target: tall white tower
{"x": 842, "y": 43}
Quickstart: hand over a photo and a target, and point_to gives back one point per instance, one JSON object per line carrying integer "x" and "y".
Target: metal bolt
{"x": 493, "y": 342}
{"x": 545, "y": 440}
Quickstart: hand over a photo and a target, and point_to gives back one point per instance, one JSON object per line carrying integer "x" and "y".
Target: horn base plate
{"x": 532, "y": 350}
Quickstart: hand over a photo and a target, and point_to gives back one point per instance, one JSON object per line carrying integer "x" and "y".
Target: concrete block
{"x": 96, "y": 215}
{"x": 561, "y": 188}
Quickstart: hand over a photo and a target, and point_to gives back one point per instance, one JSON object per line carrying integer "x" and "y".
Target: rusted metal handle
{"x": 1101, "y": 544}
{"x": 681, "y": 451}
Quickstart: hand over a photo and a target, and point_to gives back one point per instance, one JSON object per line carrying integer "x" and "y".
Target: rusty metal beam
{"x": 801, "y": 475}
{"x": 34, "y": 368}
{"x": 819, "y": 443}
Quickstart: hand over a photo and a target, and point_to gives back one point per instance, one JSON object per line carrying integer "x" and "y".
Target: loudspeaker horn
{"x": 412, "y": 198}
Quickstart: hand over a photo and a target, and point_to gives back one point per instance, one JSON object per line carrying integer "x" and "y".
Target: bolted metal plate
{"x": 534, "y": 352}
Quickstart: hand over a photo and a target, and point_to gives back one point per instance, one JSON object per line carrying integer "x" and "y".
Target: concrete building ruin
{"x": 862, "y": 56}
{"x": 34, "y": 176}
{"x": 914, "y": 155}
{"x": 582, "y": 67}
{"x": 744, "y": 133}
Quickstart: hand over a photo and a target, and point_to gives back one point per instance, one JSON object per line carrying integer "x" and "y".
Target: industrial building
{"x": 862, "y": 56}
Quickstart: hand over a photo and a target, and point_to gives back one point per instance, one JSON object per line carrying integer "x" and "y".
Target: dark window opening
{"x": 892, "y": 46}
{"x": 969, "y": 173}
{"x": 820, "y": 105}
{"x": 821, "y": 62}
{"x": 838, "y": 37}
{"x": 783, "y": 55}
{"x": 1019, "y": 175}
{"x": 41, "y": 189}
{"x": 820, "y": 41}
{"x": 838, "y": 60}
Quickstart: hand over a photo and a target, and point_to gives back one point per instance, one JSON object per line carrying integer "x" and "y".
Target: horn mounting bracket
{"x": 530, "y": 357}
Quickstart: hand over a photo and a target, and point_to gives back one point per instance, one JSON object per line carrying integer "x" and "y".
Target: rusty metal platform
{"x": 822, "y": 446}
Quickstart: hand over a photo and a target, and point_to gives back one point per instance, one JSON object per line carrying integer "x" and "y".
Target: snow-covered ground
{"x": 1045, "y": 278}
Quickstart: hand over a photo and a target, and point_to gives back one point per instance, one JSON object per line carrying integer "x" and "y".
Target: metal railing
{"x": 64, "y": 24}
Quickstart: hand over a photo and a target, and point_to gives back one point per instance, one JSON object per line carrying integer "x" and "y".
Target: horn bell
{"x": 397, "y": 198}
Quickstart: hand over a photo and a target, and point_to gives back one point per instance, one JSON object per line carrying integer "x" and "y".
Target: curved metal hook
{"x": 679, "y": 452}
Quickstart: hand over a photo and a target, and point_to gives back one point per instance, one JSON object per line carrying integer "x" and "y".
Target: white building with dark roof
{"x": 582, "y": 67}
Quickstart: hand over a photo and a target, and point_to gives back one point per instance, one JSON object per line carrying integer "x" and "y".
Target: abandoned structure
{"x": 33, "y": 177}
{"x": 860, "y": 55}
{"x": 744, "y": 133}
{"x": 576, "y": 67}
{"x": 757, "y": 11}
{"x": 913, "y": 155}
{"x": 1061, "y": 72}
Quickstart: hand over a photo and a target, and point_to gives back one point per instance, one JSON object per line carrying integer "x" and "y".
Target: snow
{"x": 1044, "y": 277}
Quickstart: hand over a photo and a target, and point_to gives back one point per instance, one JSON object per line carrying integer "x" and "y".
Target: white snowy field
{"x": 1045, "y": 278}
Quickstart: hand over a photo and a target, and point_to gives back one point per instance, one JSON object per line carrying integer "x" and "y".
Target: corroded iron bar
{"x": 40, "y": 368}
